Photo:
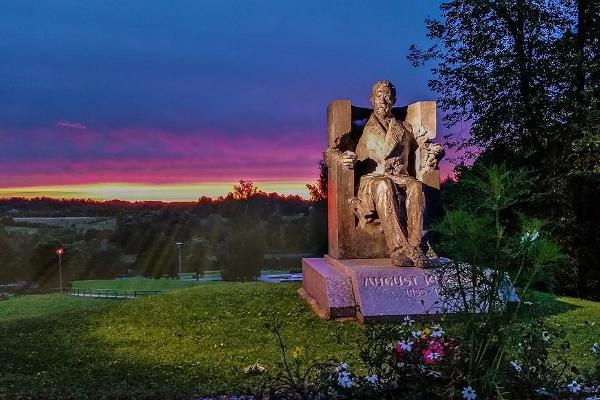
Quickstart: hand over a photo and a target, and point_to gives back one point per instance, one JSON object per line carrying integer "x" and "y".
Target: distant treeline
{"x": 231, "y": 233}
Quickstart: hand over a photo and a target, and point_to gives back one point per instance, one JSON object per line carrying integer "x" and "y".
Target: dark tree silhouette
{"x": 246, "y": 190}
{"x": 526, "y": 75}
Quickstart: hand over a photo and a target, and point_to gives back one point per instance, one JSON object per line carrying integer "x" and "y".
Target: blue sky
{"x": 190, "y": 91}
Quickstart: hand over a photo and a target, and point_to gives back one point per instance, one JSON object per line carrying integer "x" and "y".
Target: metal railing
{"x": 110, "y": 293}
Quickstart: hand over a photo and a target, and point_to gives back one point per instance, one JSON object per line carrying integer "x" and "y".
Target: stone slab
{"x": 386, "y": 292}
{"x": 376, "y": 290}
{"x": 328, "y": 289}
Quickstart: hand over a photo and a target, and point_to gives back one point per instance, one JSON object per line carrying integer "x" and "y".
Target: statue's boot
{"x": 417, "y": 256}
{"x": 400, "y": 259}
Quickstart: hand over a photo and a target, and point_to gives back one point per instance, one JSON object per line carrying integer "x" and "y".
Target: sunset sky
{"x": 172, "y": 100}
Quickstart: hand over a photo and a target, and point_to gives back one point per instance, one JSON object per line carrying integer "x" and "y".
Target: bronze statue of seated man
{"x": 382, "y": 157}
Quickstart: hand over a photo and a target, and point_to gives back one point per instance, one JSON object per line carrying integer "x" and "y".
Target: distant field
{"x": 21, "y": 230}
{"x": 193, "y": 341}
{"x": 77, "y": 223}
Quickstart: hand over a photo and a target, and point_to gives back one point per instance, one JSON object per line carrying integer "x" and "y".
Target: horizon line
{"x": 165, "y": 192}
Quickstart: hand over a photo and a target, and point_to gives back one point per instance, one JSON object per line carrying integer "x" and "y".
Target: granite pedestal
{"x": 371, "y": 289}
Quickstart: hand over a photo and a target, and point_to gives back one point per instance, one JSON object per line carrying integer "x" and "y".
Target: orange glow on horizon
{"x": 172, "y": 192}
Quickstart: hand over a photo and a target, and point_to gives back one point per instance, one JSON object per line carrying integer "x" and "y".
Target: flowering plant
{"x": 422, "y": 361}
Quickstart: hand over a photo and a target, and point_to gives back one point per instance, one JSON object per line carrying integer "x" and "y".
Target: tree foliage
{"x": 525, "y": 74}
{"x": 6, "y": 258}
{"x": 197, "y": 259}
{"x": 44, "y": 264}
{"x": 245, "y": 190}
{"x": 241, "y": 255}
{"x": 519, "y": 70}
{"x": 318, "y": 190}
{"x": 158, "y": 258}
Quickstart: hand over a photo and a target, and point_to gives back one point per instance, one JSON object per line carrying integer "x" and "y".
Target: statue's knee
{"x": 383, "y": 187}
{"x": 414, "y": 190}
{"x": 415, "y": 186}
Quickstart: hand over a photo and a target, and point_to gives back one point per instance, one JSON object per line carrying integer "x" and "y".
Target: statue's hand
{"x": 348, "y": 159}
{"x": 421, "y": 135}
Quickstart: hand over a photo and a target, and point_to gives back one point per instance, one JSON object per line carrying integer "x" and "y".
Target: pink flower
{"x": 400, "y": 351}
{"x": 436, "y": 346}
{"x": 431, "y": 357}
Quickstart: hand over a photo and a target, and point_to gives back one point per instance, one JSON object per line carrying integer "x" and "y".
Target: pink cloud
{"x": 138, "y": 155}
{"x": 147, "y": 156}
{"x": 70, "y": 124}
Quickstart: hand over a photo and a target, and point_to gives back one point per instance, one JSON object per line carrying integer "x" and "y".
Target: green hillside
{"x": 189, "y": 341}
{"x": 186, "y": 342}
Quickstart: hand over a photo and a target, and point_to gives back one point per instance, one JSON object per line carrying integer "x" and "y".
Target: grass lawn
{"x": 128, "y": 284}
{"x": 578, "y": 320}
{"x": 22, "y": 308}
{"x": 191, "y": 341}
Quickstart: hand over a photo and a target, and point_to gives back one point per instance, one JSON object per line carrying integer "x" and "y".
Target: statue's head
{"x": 383, "y": 98}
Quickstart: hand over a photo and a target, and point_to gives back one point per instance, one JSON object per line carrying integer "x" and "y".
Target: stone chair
{"x": 345, "y": 123}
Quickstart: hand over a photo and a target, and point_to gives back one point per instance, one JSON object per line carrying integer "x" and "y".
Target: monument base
{"x": 372, "y": 289}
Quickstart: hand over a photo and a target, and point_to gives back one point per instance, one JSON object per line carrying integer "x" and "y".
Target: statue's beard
{"x": 383, "y": 111}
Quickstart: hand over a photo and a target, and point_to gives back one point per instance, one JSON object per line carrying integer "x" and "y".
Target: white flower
{"x": 530, "y": 237}
{"x": 389, "y": 346}
{"x": 437, "y": 331}
{"x": 408, "y": 321}
{"x": 405, "y": 345}
{"x": 469, "y": 393}
{"x": 596, "y": 349}
{"x": 372, "y": 379}
{"x": 574, "y": 387}
{"x": 342, "y": 367}
{"x": 545, "y": 336}
{"x": 344, "y": 380}
{"x": 434, "y": 356}
{"x": 417, "y": 333}
{"x": 516, "y": 366}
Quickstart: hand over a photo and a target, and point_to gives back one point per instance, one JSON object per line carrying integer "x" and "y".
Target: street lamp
{"x": 59, "y": 252}
{"x": 179, "y": 246}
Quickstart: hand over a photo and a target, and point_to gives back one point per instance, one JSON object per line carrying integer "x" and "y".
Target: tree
{"x": 246, "y": 190}
{"x": 7, "y": 272}
{"x": 158, "y": 258}
{"x": 492, "y": 61}
{"x": 104, "y": 262}
{"x": 43, "y": 263}
{"x": 318, "y": 190}
{"x": 526, "y": 75}
{"x": 241, "y": 256}
{"x": 198, "y": 260}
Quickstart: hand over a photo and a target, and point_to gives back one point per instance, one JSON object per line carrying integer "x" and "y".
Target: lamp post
{"x": 179, "y": 246}
{"x": 59, "y": 252}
